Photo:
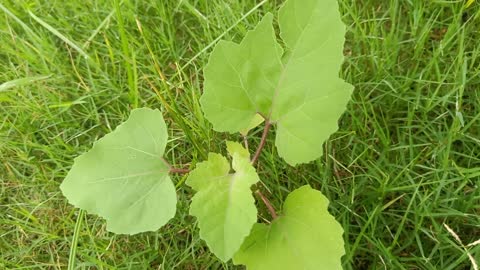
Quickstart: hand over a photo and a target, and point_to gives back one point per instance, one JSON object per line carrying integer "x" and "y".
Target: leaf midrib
{"x": 286, "y": 65}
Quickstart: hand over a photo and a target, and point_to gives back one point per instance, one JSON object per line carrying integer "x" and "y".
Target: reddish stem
{"x": 267, "y": 204}
{"x": 171, "y": 169}
{"x": 262, "y": 141}
{"x": 179, "y": 170}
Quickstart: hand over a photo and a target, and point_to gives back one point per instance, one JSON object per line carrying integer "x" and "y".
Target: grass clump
{"x": 405, "y": 161}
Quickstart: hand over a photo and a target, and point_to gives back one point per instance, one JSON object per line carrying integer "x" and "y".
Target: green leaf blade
{"x": 302, "y": 132}
{"x": 299, "y": 92}
{"x": 305, "y": 236}
{"x": 240, "y": 78}
{"x": 310, "y": 98}
{"x": 223, "y": 204}
{"x": 123, "y": 177}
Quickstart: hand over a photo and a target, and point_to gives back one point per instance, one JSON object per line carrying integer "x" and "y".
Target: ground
{"x": 404, "y": 163}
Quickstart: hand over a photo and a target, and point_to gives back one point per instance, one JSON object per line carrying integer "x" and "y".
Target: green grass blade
{"x": 21, "y": 82}
{"x": 76, "y": 233}
{"x": 59, "y": 35}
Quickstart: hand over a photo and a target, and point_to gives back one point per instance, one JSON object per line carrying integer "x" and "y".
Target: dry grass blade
{"x": 470, "y": 256}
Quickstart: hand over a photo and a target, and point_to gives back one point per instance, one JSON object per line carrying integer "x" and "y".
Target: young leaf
{"x": 223, "y": 204}
{"x": 298, "y": 90}
{"x": 123, "y": 178}
{"x": 305, "y": 236}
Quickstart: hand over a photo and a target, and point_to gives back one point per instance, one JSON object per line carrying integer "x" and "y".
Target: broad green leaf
{"x": 298, "y": 90}
{"x": 123, "y": 178}
{"x": 223, "y": 204}
{"x": 305, "y": 237}
{"x": 240, "y": 79}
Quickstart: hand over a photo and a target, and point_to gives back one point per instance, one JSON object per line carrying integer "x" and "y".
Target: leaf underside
{"x": 224, "y": 205}
{"x": 123, "y": 178}
{"x": 305, "y": 237}
{"x": 298, "y": 88}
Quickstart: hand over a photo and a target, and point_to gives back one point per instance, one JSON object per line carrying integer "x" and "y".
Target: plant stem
{"x": 174, "y": 170}
{"x": 267, "y": 204}
{"x": 262, "y": 141}
{"x": 179, "y": 170}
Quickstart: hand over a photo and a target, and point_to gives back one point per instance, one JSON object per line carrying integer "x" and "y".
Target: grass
{"x": 405, "y": 161}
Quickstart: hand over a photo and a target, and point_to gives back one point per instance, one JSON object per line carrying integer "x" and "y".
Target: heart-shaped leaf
{"x": 305, "y": 237}
{"x": 123, "y": 178}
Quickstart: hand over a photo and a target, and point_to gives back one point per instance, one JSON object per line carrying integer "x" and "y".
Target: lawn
{"x": 404, "y": 165}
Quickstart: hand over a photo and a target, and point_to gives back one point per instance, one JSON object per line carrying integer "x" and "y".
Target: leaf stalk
{"x": 179, "y": 170}
{"x": 267, "y": 204}
{"x": 263, "y": 140}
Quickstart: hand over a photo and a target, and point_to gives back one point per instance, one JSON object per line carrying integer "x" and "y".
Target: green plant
{"x": 295, "y": 88}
